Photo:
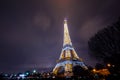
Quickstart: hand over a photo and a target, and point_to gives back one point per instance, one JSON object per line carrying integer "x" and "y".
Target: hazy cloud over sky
{"x": 31, "y": 31}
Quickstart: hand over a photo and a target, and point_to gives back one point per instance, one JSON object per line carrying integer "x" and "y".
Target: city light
{"x": 94, "y": 70}
{"x": 109, "y": 65}
{"x": 34, "y": 71}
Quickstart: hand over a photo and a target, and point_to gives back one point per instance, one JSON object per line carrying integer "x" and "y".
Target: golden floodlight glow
{"x": 104, "y": 72}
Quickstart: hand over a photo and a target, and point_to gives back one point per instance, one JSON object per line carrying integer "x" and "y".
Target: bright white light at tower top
{"x": 65, "y": 19}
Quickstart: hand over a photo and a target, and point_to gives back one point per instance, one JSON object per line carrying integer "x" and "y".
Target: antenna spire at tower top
{"x": 65, "y": 20}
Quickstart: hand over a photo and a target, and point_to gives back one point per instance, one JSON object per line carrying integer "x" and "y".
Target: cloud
{"x": 90, "y": 27}
{"x": 41, "y": 21}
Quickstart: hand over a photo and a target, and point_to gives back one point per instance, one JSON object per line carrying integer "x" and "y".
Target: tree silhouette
{"x": 105, "y": 44}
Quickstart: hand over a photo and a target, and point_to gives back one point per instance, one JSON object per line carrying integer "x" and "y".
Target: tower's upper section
{"x": 68, "y": 51}
{"x": 67, "y": 40}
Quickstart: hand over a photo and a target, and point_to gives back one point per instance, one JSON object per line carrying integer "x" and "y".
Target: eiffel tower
{"x": 68, "y": 57}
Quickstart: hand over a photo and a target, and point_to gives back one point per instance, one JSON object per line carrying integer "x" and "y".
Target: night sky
{"x": 31, "y": 31}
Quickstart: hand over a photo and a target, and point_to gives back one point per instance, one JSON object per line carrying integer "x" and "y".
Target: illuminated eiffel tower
{"x": 68, "y": 58}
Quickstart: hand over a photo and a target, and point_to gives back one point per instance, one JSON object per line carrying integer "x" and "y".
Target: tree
{"x": 105, "y": 44}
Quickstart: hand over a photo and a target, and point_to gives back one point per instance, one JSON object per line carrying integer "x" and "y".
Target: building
{"x": 68, "y": 57}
